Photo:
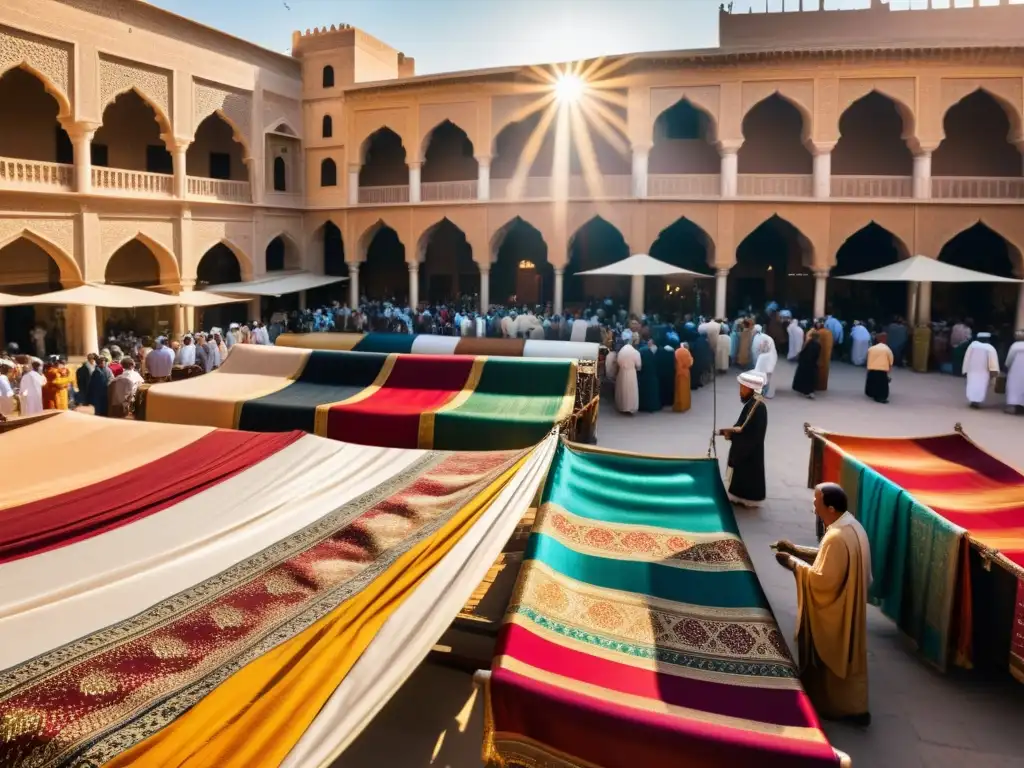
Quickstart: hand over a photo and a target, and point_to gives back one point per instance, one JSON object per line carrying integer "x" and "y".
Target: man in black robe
{"x": 82, "y": 376}
{"x": 665, "y": 357}
{"x": 806, "y": 377}
{"x": 745, "y": 475}
{"x": 99, "y": 381}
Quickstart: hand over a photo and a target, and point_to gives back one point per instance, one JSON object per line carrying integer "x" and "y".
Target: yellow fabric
{"x": 832, "y": 625}
{"x": 880, "y": 358}
{"x": 684, "y": 362}
{"x": 425, "y": 437}
{"x": 258, "y": 714}
{"x": 825, "y": 358}
{"x": 93, "y": 450}
{"x": 337, "y": 341}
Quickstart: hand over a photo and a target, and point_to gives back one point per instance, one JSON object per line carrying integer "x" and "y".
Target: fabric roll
{"x": 336, "y": 341}
{"x": 385, "y": 342}
{"x": 469, "y": 345}
{"x": 573, "y": 350}
{"x": 430, "y": 344}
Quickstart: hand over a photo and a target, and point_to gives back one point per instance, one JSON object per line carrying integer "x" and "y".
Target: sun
{"x": 569, "y": 87}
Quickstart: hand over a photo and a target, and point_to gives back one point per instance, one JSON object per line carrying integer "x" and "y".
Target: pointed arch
{"x": 363, "y": 243}
{"x": 215, "y": 136}
{"x": 447, "y": 152}
{"x": 683, "y": 243}
{"x": 166, "y": 262}
{"x": 291, "y": 253}
{"x": 447, "y": 268}
{"x": 161, "y": 117}
{"x": 787, "y": 95}
{"x": 328, "y": 173}
{"x": 244, "y": 260}
{"x": 983, "y": 248}
{"x": 693, "y": 102}
{"x": 444, "y": 124}
{"x": 63, "y": 102}
{"x": 70, "y": 272}
{"x": 595, "y": 243}
{"x": 520, "y": 264}
{"x": 384, "y": 158}
{"x": 875, "y": 133}
{"x": 872, "y": 246}
{"x": 236, "y": 132}
{"x": 974, "y": 142}
{"x": 1010, "y": 109}
{"x": 773, "y": 262}
{"x": 776, "y": 133}
{"x": 1014, "y": 249}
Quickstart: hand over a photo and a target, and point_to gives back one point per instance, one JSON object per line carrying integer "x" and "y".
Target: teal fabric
{"x": 932, "y": 577}
{"x": 725, "y": 589}
{"x": 884, "y": 511}
{"x": 680, "y": 494}
{"x": 385, "y": 342}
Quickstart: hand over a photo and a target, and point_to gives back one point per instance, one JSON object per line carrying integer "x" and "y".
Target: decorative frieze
{"x": 50, "y": 58}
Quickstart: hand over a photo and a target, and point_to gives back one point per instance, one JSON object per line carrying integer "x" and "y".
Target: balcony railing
{"x": 605, "y": 186}
{"x": 684, "y": 185}
{"x": 123, "y": 181}
{"x": 873, "y": 186}
{"x": 775, "y": 185}
{"x": 977, "y": 188}
{"x": 384, "y": 195}
{"x": 530, "y": 188}
{"x": 219, "y": 189}
{"x": 444, "y": 191}
{"x": 16, "y": 173}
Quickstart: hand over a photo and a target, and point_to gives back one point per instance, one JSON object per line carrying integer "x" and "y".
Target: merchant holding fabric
{"x": 832, "y": 584}
{"x": 981, "y": 365}
{"x": 744, "y": 479}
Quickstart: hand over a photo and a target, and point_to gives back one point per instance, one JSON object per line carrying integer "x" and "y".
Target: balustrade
{"x": 384, "y": 195}
{"x": 444, "y": 191}
{"x": 683, "y": 185}
{"x": 775, "y": 185}
{"x": 16, "y": 173}
{"x": 122, "y": 180}
{"x": 873, "y": 186}
{"x": 977, "y": 188}
{"x": 219, "y": 189}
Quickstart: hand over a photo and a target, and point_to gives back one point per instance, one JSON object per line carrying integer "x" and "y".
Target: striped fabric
{"x": 430, "y": 344}
{"x": 639, "y": 634}
{"x": 958, "y": 493}
{"x": 189, "y": 592}
{"x": 450, "y": 402}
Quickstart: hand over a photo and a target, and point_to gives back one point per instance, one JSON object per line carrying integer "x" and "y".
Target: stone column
{"x": 924, "y": 304}
{"x": 641, "y": 156}
{"x": 302, "y": 299}
{"x": 353, "y": 184}
{"x": 912, "y": 303}
{"x": 179, "y": 154}
{"x": 559, "y": 287}
{"x": 414, "y": 284}
{"x": 178, "y": 323}
{"x": 822, "y": 183}
{"x": 81, "y": 141}
{"x": 820, "y": 284}
{"x": 414, "y": 182}
{"x": 483, "y": 178}
{"x": 721, "y": 286}
{"x": 1020, "y": 309}
{"x": 923, "y": 176}
{"x": 729, "y": 171}
{"x": 485, "y": 288}
{"x": 89, "y": 335}
{"x": 636, "y": 295}
{"x": 353, "y": 284}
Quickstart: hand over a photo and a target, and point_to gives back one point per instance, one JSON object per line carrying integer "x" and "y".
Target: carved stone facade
{"x": 50, "y": 58}
{"x": 118, "y": 76}
{"x": 277, "y": 107}
{"x": 60, "y": 232}
{"x": 233, "y": 106}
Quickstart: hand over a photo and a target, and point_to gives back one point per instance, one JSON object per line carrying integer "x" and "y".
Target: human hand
{"x": 785, "y": 560}
{"x": 784, "y": 545}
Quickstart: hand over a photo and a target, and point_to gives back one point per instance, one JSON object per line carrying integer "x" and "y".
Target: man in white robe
{"x": 627, "y": 388}
{"x": 711, "y": 330}
{"x": 796, "y": 339}
{"x": 723, "y": 348}
{"x": 860, "y": 338}
{"x": 767, "y": 359}
{"x": 755, "y": 344}
{"x": 1015, "y": 376}
{"x": 6, "y": 390}
{"x": 186, "y": 353}
{"x": 579, "y": 330}
{"x": 981, "y": 366}
{"x": 31, "y": 390}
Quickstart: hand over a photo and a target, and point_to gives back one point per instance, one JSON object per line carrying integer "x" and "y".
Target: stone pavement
{"x": 920, "y": 718}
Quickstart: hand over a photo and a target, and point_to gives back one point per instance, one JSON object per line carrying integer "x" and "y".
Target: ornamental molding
{"x": 50, "y": 59}
{"x": 234, "y": 106}
{"x": 119, "y": 76}
{"x": 59, "y": 232}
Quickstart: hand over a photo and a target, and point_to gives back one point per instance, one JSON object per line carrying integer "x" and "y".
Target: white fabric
{"x": 767, "y": 359}
{"x": 277, "y": 284}
{"x": 921, "y": 269}
{"x": 1015, "y": 374}
{"x": 723, "y": 347}
{"x": 6, "y": 396}
{"x": 980, "y": 361}
{"x": 755, "y": 344}
{"x": 506, "y": 326}
{"x": 579, "y": 332}
{"x": 641, "y": 264}
{"x": 124, "y": 386}
{"x": 847, "y": 520}
{"x": 796, "y": 340}
{"x": 56, "y": 596}
{"x": 430, "y": 344}
{"x": 411, "y": 631}
{"x": 481, "y": 327}
{"x": 611, "y": 366}
{"x": 861, "y": 342}
{"x": 574, "y": 350}
{"x": 186, "y": 355}
{"x": 627, "y": 387}
{"x": 752, "y": 380}
{"x": 31, "y": 391}
{"x": 711, "y": 329}
{"x": 159, "y": 362}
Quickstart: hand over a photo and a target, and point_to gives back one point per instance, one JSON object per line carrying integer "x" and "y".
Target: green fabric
{"x": 850, "y": 480}
{"x": 683, "y": 494}
{"x": 884, "y": 511}
{"x": 385, "y": 342}
{"x": 932, "y": 576}
{"x": 726, "y": 589}
{"x": 513, "y": 406}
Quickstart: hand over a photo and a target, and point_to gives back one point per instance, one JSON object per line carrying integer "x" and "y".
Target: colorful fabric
{"x": 236, "y": 618}
{"x": 638, "y": 631}
{"x": 1017, "y": 641}
{"x": 386, "y": 343}
{"x": 426, "y": 344}
{"x": 447, "y": 402}
{"x": 956, "y": 490}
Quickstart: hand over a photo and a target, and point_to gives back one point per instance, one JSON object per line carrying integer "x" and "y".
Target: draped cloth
{"x": 826, "y": 340}
{"x": 638, "y": 631}
{"x": 955, "y": 493}
{"x": 684, "y": 361}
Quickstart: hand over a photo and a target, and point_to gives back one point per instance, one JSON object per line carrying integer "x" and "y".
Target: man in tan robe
{"x": 832, "y": 583}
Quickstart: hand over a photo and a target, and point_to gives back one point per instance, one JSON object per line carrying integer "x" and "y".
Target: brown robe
{"x": 826, "y": 340}
{"x": 684, "y": 361}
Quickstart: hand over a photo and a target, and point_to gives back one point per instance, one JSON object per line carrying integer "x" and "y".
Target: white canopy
{"x": 277, "y": 284}
{"x": 921, "y": 269}
{"x": 640, "y": 264}
{"x": 117, "y": 297}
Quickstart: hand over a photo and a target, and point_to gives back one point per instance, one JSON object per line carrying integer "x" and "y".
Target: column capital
{"x": 820, "y": 274}
{"x": 728, "y": 147}
{"x": 353, "y": 266}
{"x": 414, "y": 266}
{"x": 175, "y": 144}
{"x": 355, "y": 167}
{"x": 82, "y": 130}
{"x": 415, "y": 165}
{"x": 559, "y": 270}
{"x": 484, "y": 267}
{"x": 722, "y": 272}
{"x": 818, "y": 148}
{"x": 483, "y": 159}
{"x": 641, "y": 147}
{"x": 922, "y": 148}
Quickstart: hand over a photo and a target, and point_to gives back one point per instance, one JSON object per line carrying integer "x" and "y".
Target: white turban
{"x": 751, "y": 380}
{"x": 627, "y": 335}
{"x": 757, "y": 329}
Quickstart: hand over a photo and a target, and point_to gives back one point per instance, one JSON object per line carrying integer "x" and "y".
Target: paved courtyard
{"x": 921, "y": 719}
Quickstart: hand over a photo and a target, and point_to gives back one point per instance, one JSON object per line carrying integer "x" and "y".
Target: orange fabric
{"x": 684, "y": 361}
{"x": 825, "y": 358}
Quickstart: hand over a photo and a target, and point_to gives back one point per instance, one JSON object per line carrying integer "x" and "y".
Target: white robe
{"x": 796, "y": 340}
{"x": 627, "y": 388}
{"x": 1015, "y": 374}
{"x": 767, "y": 359}
{"x": 579, "y": 330}
{"x": 755, "y": 346}
{"x": 980, "y": 362}
{"x": 861, "y": 341}
{"x": 31, "y": 391}
{"x": 186, "y": 355}
{"x": 723, "y": 347}
{"x": 611, "y": 366}
{"x": 6, "y": 396}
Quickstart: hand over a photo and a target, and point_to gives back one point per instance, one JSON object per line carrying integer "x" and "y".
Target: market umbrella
{"x": 277, "y": 285}
{"x": 639, "y": 266}
{"x": 921, "y": 269}
{"x": 99, "y": 295}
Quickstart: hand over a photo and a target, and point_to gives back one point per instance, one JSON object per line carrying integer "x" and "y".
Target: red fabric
{"x": 80, "y": 514}
{"x": 390, "y": 417}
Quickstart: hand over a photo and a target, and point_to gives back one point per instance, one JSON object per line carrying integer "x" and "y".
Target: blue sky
{"x": 447, "y": 35}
